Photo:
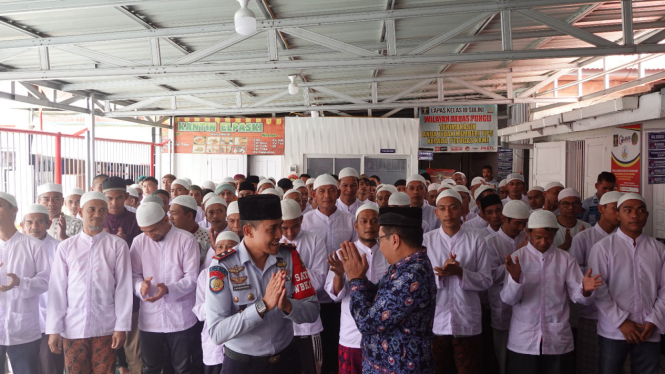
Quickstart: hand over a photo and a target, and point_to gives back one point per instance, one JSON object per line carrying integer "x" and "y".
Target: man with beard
{"x": 256, "y": 292}
{"x": 348, "y": 188}
{"x": 62, "y": 225}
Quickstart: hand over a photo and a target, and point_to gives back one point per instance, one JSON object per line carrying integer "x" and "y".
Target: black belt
{"x": 248, "y": 358}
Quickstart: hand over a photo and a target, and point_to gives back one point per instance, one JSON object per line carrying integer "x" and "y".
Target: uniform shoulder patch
{"x": 216, "y": 278}
{"x": 224, "y": 254}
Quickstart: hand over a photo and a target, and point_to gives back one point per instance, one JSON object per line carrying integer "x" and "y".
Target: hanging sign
{"x": 626, "y": 154}
{"x": 459, "y": 128}
{"x": 215, "y": 135}
{"x": 425, "y": 156}
{"x": 656, "y": 159}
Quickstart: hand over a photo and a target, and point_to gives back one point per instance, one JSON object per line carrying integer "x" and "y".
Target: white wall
{"x": 349, "y": 136}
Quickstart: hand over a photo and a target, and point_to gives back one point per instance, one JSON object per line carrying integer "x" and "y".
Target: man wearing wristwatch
{"x": 256, "y": 291}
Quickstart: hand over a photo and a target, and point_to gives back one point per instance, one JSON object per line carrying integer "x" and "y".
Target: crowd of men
{"x": 334, "y": 274}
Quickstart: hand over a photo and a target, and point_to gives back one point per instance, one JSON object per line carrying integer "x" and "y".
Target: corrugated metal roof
{"x": 410, "y": 32}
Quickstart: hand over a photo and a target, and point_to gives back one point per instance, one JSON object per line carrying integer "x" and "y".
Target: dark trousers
{"x": 50, "y": 362}
{"x": 197, "y": 349}
{"x": 518, "y": 363}
{"x": 330, "y": 315}
{"x": 644, "y": 357}
{"x": 462, "y": 353}
{"x": 289, "y": 363}
{"x": 177, "y": 343}
{"x": 215, "y": 369}
{"x": 23, "y": 357}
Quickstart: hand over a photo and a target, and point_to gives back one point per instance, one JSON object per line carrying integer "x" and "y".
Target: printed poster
{"x": 626, "y": 155}
{"x": 218, "y": 135}
{"x": 459, "y": 128}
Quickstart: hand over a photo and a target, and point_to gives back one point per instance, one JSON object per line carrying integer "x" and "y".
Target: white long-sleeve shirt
{"x": 349, "y": 336}
{"x": 351, "y": 209}
{"x": 90, "y": 291}
{"x": 499, "y": 245}
{"x": 50, "y": 246}
{"x": 540, "y": 301}
{"x": 458, "y": 309}
{"x": 580, "y": 249}
{"x": 560, "y": 235}
{"x": 19, "y": 308}
{"x": 333, "y": 229}
{"x": 476, "y": 223}
{"x": 313, "y": 253}
{"x": 213, "y": 354}
{"x": 174, "y": 261}
{"x": 633, "y": 283}
{"x": 429, "y": 216}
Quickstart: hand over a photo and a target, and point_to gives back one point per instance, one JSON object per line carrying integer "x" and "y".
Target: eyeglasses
{"x": 567, "y": 204}
{"x": 379, "y": 238}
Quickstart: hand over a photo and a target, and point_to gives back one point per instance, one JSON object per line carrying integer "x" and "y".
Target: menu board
{"x": 656, "y": 162}
{"x": 217, "y": 135}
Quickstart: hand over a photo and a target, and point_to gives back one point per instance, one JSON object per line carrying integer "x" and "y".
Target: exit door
{"x": 266, "y": 166}
{"x": 222, "y": 166}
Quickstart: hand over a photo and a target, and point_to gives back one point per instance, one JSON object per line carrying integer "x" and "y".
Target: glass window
{"x": 341, "y": 163}
{"x": 318, "y": 166}
{"x": 388, "y": 169}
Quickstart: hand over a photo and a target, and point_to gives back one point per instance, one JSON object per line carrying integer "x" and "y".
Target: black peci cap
{"x": 260, "y": 208}
{"x": 401, "y": 217}
{"x": 114, "y": 184}
{"x": 246, "y": 186}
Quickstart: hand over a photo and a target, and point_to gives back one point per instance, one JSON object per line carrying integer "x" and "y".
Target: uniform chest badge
{"x": 238, "y": 280}
{"x": 280, "y": 263}
{"x": 236, "y": 269}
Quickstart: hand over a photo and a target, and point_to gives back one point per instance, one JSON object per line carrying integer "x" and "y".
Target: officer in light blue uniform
{"x": 256, "y": 291}
{"x": 606, "y": 182}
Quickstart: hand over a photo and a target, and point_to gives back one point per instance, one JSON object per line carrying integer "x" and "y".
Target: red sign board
{"x": 217, "y": 135}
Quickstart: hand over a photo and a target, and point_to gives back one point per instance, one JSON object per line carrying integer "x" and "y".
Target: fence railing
{"x": 31, "y": 158}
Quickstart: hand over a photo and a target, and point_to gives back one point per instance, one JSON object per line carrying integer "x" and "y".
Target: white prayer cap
{"x": 280, "y": 190}
{"x": 449, "y": 181}
{"x": 264, "y": 181}
{"x": 186, "y": 201}
{"x": 569, "y": 192}
{"x": 480, "y": 190}
{"x": 138, "y": 187}
{"x": 459, "y": 172}
{"x": 516, "y": 209}
{"x": 630, "y": 196}
{"x": 189, "y": 181}
{"x": 93, "y": 195}
{"x": 213, "y": 200}
{"x": 445, "y": 185}
{"x": 449, "y": 193}
{"x": 536, "y": 188}
{"x": 477, "y": 180}
{"x": 149, "y": 214}
{"x": 74, "y": 191}
{"x": 310, "y": 181}
{"x": 416, "y": 178}
{"x": 181, "y": 182}
{"x": 542, "y": 219}
{"x": 35, "y": 208}
{"x": 261, "y": 177}
{"x": 153, "y": 198}
{"x": 433, "y": 187}
{"x": 503, "y": 183}
{"x": 610, "y": 197}
{"x": 388, "y": 187}
{"x": 461, "y": 188}
{"x": 208, "y": 196}
{"x": 298, "y": 183}
{"x": 208, "y": 185}
{"x": 370, "y": 206}
{"x": 379, "y": 186}
{"x": 399, "y": 199}
{"x": 515, "y": 177}
{"x": 287, "y": 193}
{"x": 232, "y": 209}
{"x": 290, "y": 209}
{"x": 227, "y": 235}
{"x": 9, "y": 197}
{"x": 552, "y": 185}
{"x": 324, "y": 180}
{"x": 348, "y": 172}
{"x": 228, "y": 180}
{"x": 49, "y": 187}
{"x": 132, "y": 192}
{"x": 271, "y": 191}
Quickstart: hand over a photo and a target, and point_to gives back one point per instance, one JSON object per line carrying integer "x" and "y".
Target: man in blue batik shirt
{"x": 395, "y": 316}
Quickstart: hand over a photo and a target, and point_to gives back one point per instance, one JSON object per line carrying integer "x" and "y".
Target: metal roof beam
{"x": 96, "y": 56}
{"x": 402, "y": 93}
{"x": 169, "y": 32}
{"x": 338, "y": 94}
{"x": 437, "y": 40}
{"x": 210, "y": 50}
{"x": 198, "y": 100}
{"x": 10, "y": 53}
{"x": 269, "y": 99}
{"x": 478, "y": 89}
{"x": 140, "y": 104}
{"x": 327, "y": 42}
{"x": 20, "y": 7}
{"x": 372, "y": 62}
{"x": 565, "y": 27}
{"x": 33, "y": 90}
